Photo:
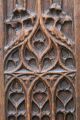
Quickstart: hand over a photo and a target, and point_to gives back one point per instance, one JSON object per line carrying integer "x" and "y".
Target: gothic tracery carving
{"x": 40, "y": 102}
{"x": 15, "y": 106}
{"x": 65, "y": 101}
{"x": 36, "y": 48}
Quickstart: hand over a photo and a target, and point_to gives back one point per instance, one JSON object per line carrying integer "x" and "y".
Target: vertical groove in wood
{"x": 14, "y": 3}
{"x": 68, "y": 6}
{"x": 2, "y": 115}
{"x": 10, "y": 6}
{"x": 77, "y": 37}
{"x": 25, "y": 2}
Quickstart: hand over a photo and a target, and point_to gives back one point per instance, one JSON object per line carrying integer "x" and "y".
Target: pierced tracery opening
{"x": 15, "y": 101}
{"x": 40, "y": 101}
{"x": 64, "y": 99}
{"x": 34, "y": 31}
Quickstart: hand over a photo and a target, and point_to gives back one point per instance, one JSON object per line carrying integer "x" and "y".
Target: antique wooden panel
{"x": 40, "y": 61}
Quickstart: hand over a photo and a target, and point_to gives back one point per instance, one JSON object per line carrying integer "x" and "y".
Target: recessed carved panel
{"x": 13, "y": 60}
{"x": 15, "y": 102}
{"x": 39, "y": 52}
{"x": 67, "y": 58}
{"x": 40, "y": 100}
{"x": 65, "y": 101}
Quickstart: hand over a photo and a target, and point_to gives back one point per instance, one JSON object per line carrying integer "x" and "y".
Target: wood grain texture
{"x": 77, "y": 34}
{"x": 39, "y": 60}
{"x": 2, "y": 91}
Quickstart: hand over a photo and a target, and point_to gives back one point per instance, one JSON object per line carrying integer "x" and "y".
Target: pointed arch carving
{"x": 15, "y": 101}
{"x": 64, "y": 100}
{"x": 39, "y": 44}
{"x": 40, "y": 101}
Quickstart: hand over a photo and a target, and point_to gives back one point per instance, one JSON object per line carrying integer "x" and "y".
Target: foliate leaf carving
{"x": 56, "y": 7}
{"x": 54, "y": 18}
{"x": 21, "y": 22}
{"x": 39, "y": 37}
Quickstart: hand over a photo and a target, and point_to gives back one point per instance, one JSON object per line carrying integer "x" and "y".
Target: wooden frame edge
{"x": 77, "y": 42}
{"x": 2, "y": 93}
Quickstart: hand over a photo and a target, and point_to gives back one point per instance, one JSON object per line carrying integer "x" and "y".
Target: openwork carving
{"x": 37, "y": 51}
{"x": 65, "y": 101}
{"x": 40, "y": 100}
{"x": 15, "y": 102}
{"x": 12, "y": 60}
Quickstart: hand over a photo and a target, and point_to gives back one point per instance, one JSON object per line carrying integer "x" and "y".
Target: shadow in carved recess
{"x": 64, "y": 99}
{"x": 37, "y": 47}
{"x": 15, "y": 101}
{"x": 40, "y": 101}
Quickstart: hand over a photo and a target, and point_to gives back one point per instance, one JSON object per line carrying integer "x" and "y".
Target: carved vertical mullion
{"x": 14, "y": 4}
{"x": 40, "y": 46}
{"x": 25, "y": 4}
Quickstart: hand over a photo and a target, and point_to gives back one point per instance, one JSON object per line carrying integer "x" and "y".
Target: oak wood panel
{"x": 2, "y": 91}
{"x": 39, "y": 60}
{"x": 77, "y": 38}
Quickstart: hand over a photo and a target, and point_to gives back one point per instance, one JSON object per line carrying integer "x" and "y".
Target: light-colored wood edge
{"x": 2, "y": 93}
{"x": 77, "y": 39}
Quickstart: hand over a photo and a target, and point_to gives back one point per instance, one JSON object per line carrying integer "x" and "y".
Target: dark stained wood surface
{"x": 40, "y": 48}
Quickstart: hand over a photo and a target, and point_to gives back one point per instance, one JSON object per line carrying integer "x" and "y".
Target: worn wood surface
{"x": 77, "y": 38}
{"x": 39, "y": 42}
{"x": 2, "y": 90}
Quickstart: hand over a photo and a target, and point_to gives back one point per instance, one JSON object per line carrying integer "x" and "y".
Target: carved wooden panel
{"x": 15, "y": 107}
{"x": 65, "y": 100}
{"x": 39, "y": 60}
{"x": 40, "y": 99}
